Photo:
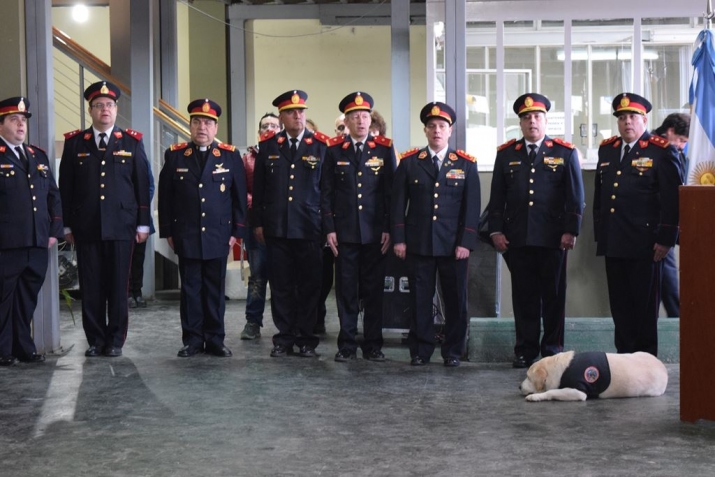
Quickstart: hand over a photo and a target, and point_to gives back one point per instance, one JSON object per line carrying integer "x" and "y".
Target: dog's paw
{"x": 535, "y": 397}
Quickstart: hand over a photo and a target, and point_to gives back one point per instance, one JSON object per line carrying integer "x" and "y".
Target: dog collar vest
{"x": 587, "y": 372}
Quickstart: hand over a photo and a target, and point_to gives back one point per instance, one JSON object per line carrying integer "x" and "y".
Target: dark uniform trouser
{"x": 22, "y": 272}
{"x": 136, "y": 277}
{"x": 453, "y": 283}
{"x": 360, "y": 274}
{"x": 203, "y": 301}
{"x": 294, "y": 270}
{"x": 669, "y": 287}
{"x": 634, "y": 295}
{"x": 538, "y": 290}
{"x": 103, "y": 267}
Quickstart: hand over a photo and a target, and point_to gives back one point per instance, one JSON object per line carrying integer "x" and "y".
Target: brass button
{"x": 292, "y": 176}
{"x": 103, "y": 162}
{"x": 200, "y": 186}
{"x": 292, "y": 166}
{"x": 613, "y": 197}
{"x": 436, "y": 184}
{"x": 35, "y": 209}
{"x": 613, "y": 210}
{"x": 290, "y": 187}
{"x": 34, "y": 197}
{"x": 359, "y": 196}
{"x": 203, "y": 229}
{"x": 32, "y": 186}
{"x": 531, "y": 181}
{"x": 436, "y": 206}
{"x": 203, "y": 199}
{"x": 203, "y": 214}
{"x": 290, "y": 199}
{"x": 101, "y": 186}
{"x": 436, "y": 195}
{"x": 533, "y": 170}
{"x": 102, "y": 174}
{"x": 359, "y": 173}
{"x": 531, "y": 192}
{"x": 359, "y": 207}
{"x": 531, "y": 203}
{"x": 615, "y": 184}
{"x": 618, "y": 173}
{"x": 101, "y": 197}
{"x": 359, "y": 184}
{"x": 434, "y": 217}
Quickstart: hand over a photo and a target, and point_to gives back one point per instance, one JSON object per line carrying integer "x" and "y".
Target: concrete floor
{"x": 150, "y": 413}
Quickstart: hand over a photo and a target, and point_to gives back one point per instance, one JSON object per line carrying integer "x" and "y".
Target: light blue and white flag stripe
{"x": 701, "y": 141}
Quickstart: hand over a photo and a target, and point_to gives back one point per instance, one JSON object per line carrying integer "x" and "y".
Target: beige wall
{"x": 328, "y": 64}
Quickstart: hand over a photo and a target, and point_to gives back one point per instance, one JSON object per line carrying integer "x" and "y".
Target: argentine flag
{"x": 701, "y": 142}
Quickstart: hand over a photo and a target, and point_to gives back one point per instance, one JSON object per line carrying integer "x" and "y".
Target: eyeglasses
{"x": 266, "y": 126}
{"x": 341, "y": 127}
{"x": 103, "y": 105}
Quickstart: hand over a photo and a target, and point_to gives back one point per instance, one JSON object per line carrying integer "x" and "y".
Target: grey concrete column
{"x": 40, "y": 91}
{"x": 455, "y": 53}
{"x": 400, "y": 68}
{"x": 168, "y": 52}
{"x": 237, "y": 91}
{"x": 141, "y": 57}
{"x": 12, "y": 54}
{"x": 120, "y": 37}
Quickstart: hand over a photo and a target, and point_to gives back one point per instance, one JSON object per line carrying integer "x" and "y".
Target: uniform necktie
{"x": 358, "y": 149}
{"x": 435, "y": 160}
{"x": 532, "y": 153}
{"x": 293, "y": 146}
{"x": 102, "y": 141}
{"x": 21, "y": 155}
{"x": 626, "y": 150}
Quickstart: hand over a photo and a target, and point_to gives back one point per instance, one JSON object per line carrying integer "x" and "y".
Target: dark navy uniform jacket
{"x": 356, "y": 190}
{"x": 286, "y": 191}
{"x": 635, "y": 201}
{"x": 534, "y": 205}
{"x": 202, "y": 209}
{"x": 30, "y": 207}
{"x": 432, "y": 214}
{"x": 105, "y": 196}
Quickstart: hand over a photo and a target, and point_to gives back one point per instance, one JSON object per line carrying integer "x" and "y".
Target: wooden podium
{"x": 697, "y": 303}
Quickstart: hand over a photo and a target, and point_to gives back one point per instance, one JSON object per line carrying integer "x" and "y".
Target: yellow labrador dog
{"x": 573, "y": 376}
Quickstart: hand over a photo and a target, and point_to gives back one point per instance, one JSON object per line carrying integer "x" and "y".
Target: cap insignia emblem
{"x": 528, "y": 102}
{"x": 104, "y": 89}
{"x": 21, "y": 105}
{"x": 435, "y": 111}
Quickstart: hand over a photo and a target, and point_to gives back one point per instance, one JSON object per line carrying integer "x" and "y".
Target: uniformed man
{"x": 535, "y": 212}
{"x": 32, "y": 222}
{"x": 356, "y": 189}
{"x": 286, "y": 205}
{"x": 635, "y": 213}
{"x": 202, "y": 212}
{"x": 105, "y": 199}
{"x": 435, "y": 212}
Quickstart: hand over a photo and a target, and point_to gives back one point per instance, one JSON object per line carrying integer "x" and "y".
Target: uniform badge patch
{"x": 374, "y": 163}
{"x": 591, "y": 374}
{"x": 216, "y": 152}
{"x": 188, "y": 152}
{"x": 422, "y": 155}
{"x": 642, "y": 164}
{"x": 311, "y": 161}
{"x": 455, "y": 174}
{"x": 223, "y": 187}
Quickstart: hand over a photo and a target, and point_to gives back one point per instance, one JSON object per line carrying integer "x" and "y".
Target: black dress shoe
{"x": 112, "y": 352}
{"x": 521, "y": 362}
{"x": 344, "y": 355}
{"x": 307, "y": 352}
{"x": 418, "y": 361}
{"x": 34, "y": 358}
{"x": 7, "y": 361}
{"x": 220, "y": 351}
{"x": 280, "y": 351}
{"x": 374, "y": 355}
{"x": 451, "y": 362}
{"x": 93, "y": 352}
{"x": 188, "y": 351}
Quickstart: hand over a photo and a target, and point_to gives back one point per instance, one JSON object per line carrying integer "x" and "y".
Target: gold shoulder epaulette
{"x": 383, "y": 141}
{"x": 410, "y": 152}
{"x": 228, "y": 147}
{"x": 336, "y": 140}
{"x": 506, "y": 144}
{"x": 267, "y": 135}
{"x": 609, "y": 140}
{"x": 564, "y": 143}
{"x": 659, "y": 141}
{"x": 466, "y": 155}
{"x": 179, "y": 146}
{"x": 135, "y": 134}
{"x": 321, "y": 137}
{"x": 72, "y": 133}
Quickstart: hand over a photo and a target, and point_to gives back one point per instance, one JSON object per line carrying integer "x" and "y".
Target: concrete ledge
{"x": 491, "y": 340}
